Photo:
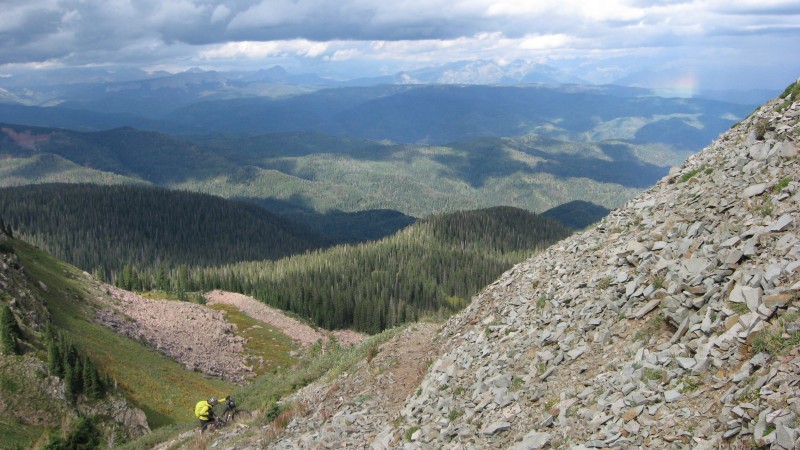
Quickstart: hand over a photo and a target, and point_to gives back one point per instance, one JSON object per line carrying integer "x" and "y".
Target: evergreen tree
{"x": 9, "y": 331}
{"x": 162, "y": 282}
{"x": 92, "y": 385}
{"x": 70, "y": 359}
{"x": 6, "y": 229}
{"x": 183, "y": 281}
{"x": 100, "y": 274}
{"x": 55, "y": 360}
{"x": 69, "y": 384}
{"x": 77, "y": 376}
{"x": 125, "y": 281}
{"x": 84, "y": 435}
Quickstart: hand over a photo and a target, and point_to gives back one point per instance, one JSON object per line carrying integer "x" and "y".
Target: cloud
{"x": 395, "y": 34}
{"x": 542, "y": 42}
{"x": 260, "y": 50}
{"x": 221, "y": 12}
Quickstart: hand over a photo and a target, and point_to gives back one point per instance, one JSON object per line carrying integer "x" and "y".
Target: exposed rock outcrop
{"x": 673, "y": 323}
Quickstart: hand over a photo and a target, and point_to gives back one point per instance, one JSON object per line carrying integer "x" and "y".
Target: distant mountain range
{"x": 142, "y": 92}
{"x": 431, "y": 114}
{"x": 426, "y": 142}
{"x": 480, "y": 72}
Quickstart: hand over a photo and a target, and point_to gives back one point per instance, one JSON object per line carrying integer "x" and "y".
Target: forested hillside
{"x": 141, "y": 155}
{"x": 109, "y": 227}
{"x": 154, "y": 239}
{"x": 577, "y": 215}
{"x": 315, "y": 173}
{"x": 438, "y": 114}
{"x": 432, "y": 267}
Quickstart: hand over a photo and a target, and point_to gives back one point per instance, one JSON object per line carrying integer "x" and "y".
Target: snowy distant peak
{"x": 487, "y": 72}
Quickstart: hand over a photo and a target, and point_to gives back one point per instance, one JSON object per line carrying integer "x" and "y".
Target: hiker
{"x": 204, "y": 411}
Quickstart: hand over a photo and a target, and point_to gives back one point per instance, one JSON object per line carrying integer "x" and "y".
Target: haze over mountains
{"x": 55, "y": 86}
{"x": 301, "y": 144}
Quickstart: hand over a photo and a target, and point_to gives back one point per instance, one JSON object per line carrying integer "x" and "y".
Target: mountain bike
{"x": 230, "y": 414}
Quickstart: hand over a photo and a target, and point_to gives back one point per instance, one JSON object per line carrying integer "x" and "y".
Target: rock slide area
{"x": 194, "y": 335}
{"x": 197, "y": 336}
{"x": 302, "y": 333}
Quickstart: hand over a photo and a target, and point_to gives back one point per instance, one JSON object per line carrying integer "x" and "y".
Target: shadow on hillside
{"x": 338, "y": 227}
{"x": 489, "y": 159}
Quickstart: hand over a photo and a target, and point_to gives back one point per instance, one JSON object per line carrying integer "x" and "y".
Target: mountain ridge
{"x": 672, "y": 323}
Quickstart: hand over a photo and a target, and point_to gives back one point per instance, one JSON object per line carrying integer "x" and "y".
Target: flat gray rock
{"x": 752, "y": 191}
{"x": 495, "y": 427}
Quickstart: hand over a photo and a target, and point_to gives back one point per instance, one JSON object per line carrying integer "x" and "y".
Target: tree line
{"x": 431, "y": 268}
{"x": 107, "y": 227}
{"x": 144, "y": 239}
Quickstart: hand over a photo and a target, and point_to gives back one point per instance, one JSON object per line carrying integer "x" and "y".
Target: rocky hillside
{"x": 674, "y": 323}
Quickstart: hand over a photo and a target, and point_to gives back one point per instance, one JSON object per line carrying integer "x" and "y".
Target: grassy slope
{"x": 15, "y": 435}
{"x": 161, "y": 387}
{"x": 269, "y": 347}
{"x": 26, "y": 400}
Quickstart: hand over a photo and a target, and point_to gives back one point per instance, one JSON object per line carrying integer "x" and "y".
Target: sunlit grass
{"x": 269, "y": 348}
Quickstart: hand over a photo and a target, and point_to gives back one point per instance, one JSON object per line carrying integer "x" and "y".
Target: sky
{"x": 740, "y": 44}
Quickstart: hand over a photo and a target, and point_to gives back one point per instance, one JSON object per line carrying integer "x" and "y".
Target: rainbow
{"x": 682, "y": 85}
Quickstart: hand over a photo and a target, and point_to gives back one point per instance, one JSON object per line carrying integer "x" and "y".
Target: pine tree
{"x": 92, "y": 386}
{"x": 69, "y": 384}
{"x": 125, "y": 280}
{"x": 9, "y": 331}
{"x": 70, "y": 358}
{"x": 55, "y": 360}
{"x": 100, "y": 274}
{"x": 77, "y": 376}
{"x": 6, "y": 229}
{"x": 183, "y": 281}
{"x": 84, "y": 435}
{"x": 162, "y": 282}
